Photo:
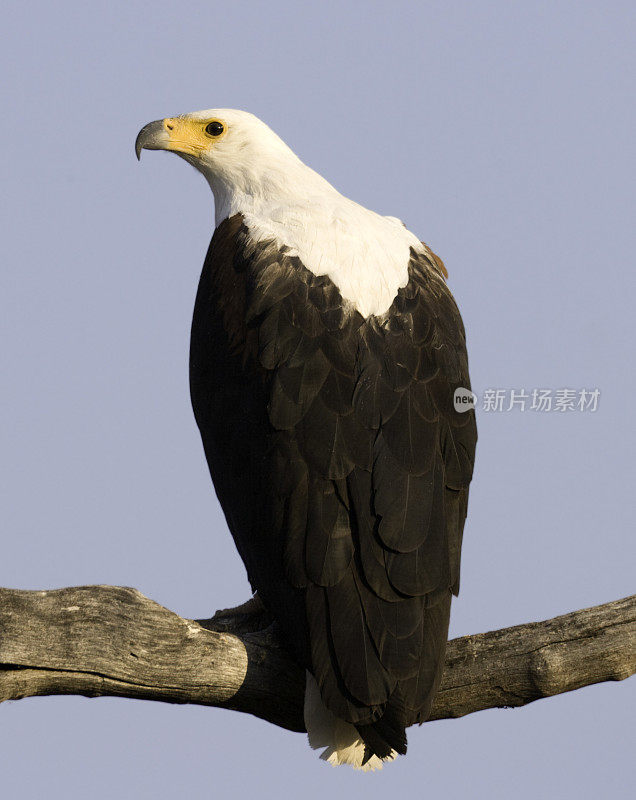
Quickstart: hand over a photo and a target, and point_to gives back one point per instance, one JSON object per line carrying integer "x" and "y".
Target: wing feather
{"x": 342, "y": 467}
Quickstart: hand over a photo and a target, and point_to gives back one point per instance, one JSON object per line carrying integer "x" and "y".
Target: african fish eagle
{"x": 325, "y": 353}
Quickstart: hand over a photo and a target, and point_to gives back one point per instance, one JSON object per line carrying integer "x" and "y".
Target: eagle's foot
{"x": 249, "y": 617}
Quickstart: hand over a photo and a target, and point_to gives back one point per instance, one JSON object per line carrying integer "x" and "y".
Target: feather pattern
{"x": 342, "y": 468}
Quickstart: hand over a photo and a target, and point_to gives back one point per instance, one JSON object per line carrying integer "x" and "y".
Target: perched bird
{"x": 325, "y": 353}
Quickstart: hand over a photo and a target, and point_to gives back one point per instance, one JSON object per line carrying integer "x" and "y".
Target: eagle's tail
{"x": 365, "y": 747}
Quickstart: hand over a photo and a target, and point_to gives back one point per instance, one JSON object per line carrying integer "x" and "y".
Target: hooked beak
{"x": 181, "y": 135}
{"x": 153, "y": 136}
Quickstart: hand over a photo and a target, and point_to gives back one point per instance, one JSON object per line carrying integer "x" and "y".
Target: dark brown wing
{"x": 342, "y": 467}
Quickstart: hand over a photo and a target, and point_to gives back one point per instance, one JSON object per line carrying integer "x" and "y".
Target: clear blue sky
{"x": 502, "y": 133}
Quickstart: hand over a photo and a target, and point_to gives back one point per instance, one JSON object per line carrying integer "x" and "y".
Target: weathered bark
{"x": 108, "y": 640}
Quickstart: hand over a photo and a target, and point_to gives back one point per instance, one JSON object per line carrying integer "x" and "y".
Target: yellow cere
{"x": 189, "y": 136}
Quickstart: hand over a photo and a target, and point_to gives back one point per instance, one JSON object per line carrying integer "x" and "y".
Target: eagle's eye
{"x": 214, "y": 128}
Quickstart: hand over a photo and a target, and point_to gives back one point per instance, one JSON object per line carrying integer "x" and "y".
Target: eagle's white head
{"x": 239, "y": 155}
{"x": 218, "y": 138}
{"x": 253, "y": 172}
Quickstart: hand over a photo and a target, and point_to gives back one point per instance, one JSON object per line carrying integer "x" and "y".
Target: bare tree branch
{"x": 109, "y": 640}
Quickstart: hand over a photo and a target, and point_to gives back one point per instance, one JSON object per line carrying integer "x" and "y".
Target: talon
{"x": 248, "y": 617}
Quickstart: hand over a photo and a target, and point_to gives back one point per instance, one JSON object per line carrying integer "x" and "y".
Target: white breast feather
{"x": 254, "y": 173}
{"x": 365, "y": 255}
